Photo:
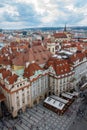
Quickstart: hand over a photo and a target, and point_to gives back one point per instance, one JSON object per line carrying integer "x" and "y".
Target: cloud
{"x": 7, "y": 12}
{"x": 35, "y": 13}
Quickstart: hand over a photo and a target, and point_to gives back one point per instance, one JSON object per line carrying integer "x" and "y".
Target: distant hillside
{"x": 57, "y": 28}
{"x": 75, "y": 28}
{"x": 79, "y": 28}
{"x": 45, "y": 28}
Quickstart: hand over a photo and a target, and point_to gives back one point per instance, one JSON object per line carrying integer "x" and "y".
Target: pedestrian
{"x": 45, "y": 124}
{"x": 29, "y": 116}
{"x": 73, "y": 122}
{"x": 2, "y": 127}
{"x": 43, "y": 112}
{"x": 36, "y": 110}
{"x": 9, "y": 128}
{"x": 31, "y": 126}
{"x": 51, "y": 115}
{"x": 14, "y": 127}
{"x": 20, "y": 121}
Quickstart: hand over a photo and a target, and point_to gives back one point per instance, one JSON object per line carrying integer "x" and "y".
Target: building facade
{"x": 61, "y": 76}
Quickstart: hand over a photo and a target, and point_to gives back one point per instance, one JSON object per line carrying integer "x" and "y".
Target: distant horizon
{"x": 60, "y": 27}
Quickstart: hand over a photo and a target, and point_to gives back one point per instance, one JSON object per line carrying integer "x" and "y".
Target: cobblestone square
{"x": 39, "y": 118}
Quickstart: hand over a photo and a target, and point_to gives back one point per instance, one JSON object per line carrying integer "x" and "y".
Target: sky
{"x": 17, "y": 14}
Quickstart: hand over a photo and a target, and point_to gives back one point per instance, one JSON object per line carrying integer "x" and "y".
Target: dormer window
{"x": 37, "y": 60}
{"x": 44, "y": 58}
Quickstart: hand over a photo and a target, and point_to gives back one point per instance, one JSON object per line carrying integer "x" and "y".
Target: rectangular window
{"x": 49, "y": 49}
{"x": 23, "y": 101}
{"x": 22, "y": 89}
{"x": 17, "y": 97}
{"x": 18, "y": 103}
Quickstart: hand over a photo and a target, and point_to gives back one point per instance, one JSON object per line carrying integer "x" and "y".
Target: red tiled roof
{"x": 61, "y": 66}
{"x": 13, "y": 78}
{"x": 1, "y": 35}
{"x": 79, "y": 48}
{"x": 4, "y": 60}
{"x": 38, "y": 54}
{"x": 2, "y": 69}
{"x": 78, "y": 56}
{"x": 6, "y": 73}
{"x": 30, "y": 70}
{"x": 60, "y": 35}
{"x": 36, "y": 42}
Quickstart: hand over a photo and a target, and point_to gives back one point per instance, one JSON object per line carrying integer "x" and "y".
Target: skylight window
{"x": 60, "y": 104}
{"x": 49, "y": 99}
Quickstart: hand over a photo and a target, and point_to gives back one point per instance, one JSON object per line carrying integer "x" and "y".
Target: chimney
{"x": 33, "y": 61}
{"x": 17, "y": 49}
{"x": 10, "y": 50}
{"x": 13, "y": 72}
{"x": 27, "y": 64}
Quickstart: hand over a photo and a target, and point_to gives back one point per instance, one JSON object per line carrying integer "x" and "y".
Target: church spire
{"x": 65, "y": 28}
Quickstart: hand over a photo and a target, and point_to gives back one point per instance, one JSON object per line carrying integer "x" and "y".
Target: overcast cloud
{"x": 40, "y": 13}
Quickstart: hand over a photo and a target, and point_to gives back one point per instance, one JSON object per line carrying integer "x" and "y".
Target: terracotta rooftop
{"x": 79, "y": 48}
{"x": 38, "y": 54}
{"x": 1, "y": 35}
{"x": 2, "y": 69}
{"x": 30, "y": 70}
{"x": 11, "y": 79}
{"x": 6, "y": 73}
{"x": 78, "y": 56}
{"x": 61, "y": 66}
{"x": 60, "y": 35}
{"x": 4, "y": 60}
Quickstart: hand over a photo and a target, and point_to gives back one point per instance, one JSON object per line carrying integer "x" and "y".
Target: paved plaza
{"x": 80, "y": 121}
{"x": 40, "y": 118}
